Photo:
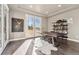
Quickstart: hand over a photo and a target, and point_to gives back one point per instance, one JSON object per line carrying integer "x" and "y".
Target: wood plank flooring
{"x": 71, "y": 49}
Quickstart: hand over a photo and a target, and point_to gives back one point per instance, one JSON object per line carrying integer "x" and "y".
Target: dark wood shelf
{"x": 61, "y": 27}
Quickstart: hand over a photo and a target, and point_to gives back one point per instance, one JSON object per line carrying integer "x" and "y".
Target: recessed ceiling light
{"x": 30, "y": 6}
{"x": 59, "y": 5}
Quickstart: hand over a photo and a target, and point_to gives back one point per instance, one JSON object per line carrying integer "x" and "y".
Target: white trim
{"x": 4, "y": 43}
{"x": 62, "y": 11}
{"x": 21, "y": 9}
{"x": 17, "y": 39}
{"x": 26, "y": 11}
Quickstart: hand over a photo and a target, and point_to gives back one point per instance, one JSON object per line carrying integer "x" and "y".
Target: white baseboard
{"x": 17, "y": 39}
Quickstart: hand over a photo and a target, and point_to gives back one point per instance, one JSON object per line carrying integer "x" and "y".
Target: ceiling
{"x": 43, "y": 9}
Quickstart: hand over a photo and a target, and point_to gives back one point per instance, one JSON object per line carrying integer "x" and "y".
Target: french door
{"x": 33, "y": 26}
{"x": 29, "y": 29}
{"x": 37, "y": 26}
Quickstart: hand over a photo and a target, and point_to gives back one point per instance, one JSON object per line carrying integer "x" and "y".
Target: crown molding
{"x": 24, "y": 10}
{"x": 62, "y": 11}
{"x": 18, "y": 8}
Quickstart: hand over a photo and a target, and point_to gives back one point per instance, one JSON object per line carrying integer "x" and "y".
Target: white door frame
{"x": 4, "y": 43}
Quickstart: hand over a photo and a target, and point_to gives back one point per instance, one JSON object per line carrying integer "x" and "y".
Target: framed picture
{"x": 17, "y": 25}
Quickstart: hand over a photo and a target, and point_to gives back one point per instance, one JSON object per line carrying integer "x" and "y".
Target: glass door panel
{"x": 37, "y": 26}
{"x": 30, "y": 26}
{"x": 33, "y": 26}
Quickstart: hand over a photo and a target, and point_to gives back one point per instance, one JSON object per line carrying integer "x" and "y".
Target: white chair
{"x": 47, "y": 47}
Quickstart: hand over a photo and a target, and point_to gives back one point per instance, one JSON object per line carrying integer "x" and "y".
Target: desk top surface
{"x": 54, "y": 34}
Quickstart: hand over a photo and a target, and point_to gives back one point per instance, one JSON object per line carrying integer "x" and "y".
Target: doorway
{"x": 33, "y": 26}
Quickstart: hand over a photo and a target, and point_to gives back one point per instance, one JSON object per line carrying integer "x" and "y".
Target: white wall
{"x": 73, "y": 27}
{"x": 20, "y": 14}
{"x": 44, "y": 24}
{"x": 16, "y": 14}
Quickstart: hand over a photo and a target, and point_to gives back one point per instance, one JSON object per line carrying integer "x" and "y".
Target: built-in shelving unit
{"x": 61, "y": 28}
